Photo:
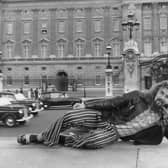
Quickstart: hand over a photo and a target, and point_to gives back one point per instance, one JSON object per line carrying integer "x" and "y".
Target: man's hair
{"x": 151, "y": 93}
{"x": 164, "y": 85}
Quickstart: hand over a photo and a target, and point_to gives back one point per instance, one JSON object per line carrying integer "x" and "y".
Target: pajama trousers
{"x": 99, "y": 133}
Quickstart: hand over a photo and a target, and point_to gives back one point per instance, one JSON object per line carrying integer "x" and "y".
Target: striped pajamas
{"x": 99, "y": 133}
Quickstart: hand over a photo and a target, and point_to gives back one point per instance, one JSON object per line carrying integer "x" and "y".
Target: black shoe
{"x": 27, "y": 139}
{"x": 23, "y": 139}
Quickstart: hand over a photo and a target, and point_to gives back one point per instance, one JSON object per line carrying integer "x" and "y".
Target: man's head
{"x": 161, "y": 98}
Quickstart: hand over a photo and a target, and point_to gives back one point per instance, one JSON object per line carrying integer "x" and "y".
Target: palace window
{"x": 98, "y": 48}
{"x": 26, "y": 80}
{"x": 44, "y": 48}
{"x": 164, "y": 46}
{"x": 44, "y": 78}
{"x": 116, "y": 79}
{"x": 98, "y": 79}
{"x": 26, "y": 50}
{"x": 26, "y": 68}
{"x": 79, "y": 26}
{"x": 147, "y": 23}
{"x": 116, "y": 49}
{"x": 9, "y": 69}
{"x": 79, "y": 68}
{"x": 116, "y": 25}
{"x": 9, "y": 28}
{"x": 9, "y": 80}
{"x": 43, "y": 68}
{"x": 26, "y": 27}
{"x": 163, "y": 22}
{"x": 44, "y": 28}
{"x": 61, "y": 49}
{"x": 147, "y": 48}
{"x": 148, "y": 82}
{"x": 79, "y": 48}
{"x": 9, "y": 50}
{"x": 97, "y": 26}
{"x": 61, "y": 27}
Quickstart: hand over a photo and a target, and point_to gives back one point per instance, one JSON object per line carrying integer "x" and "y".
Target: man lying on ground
{"x": 101, "y": 122}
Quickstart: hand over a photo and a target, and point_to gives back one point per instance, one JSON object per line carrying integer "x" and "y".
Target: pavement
{"x": 118, "y": 155}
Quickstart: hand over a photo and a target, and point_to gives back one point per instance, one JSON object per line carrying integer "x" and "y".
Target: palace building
{"x": 41, "y": 39}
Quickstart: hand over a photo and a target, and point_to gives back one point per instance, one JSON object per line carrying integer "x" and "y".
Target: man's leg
{"x": 149, "y": 136}
{"x": 82, "y": 117}
{"x": 97, "y": 138}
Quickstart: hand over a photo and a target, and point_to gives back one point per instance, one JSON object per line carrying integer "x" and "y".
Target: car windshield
{"x": 54, "y": 95}
{"x": 10, "y": 97}
{"x": 4, "y": 101}
{"x": 20, "y": 96}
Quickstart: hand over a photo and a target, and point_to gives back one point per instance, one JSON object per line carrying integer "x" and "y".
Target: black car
{"x": 58, "y": 100}
{"x": 34, "y": 106}
{"x": 13, "y": 114}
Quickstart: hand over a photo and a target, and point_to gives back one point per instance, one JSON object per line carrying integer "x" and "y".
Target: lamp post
{"x": 131, "y": 52}
{"x": 159, "y": 69}
{"x": 1, "y": 81}
{"x": 130, "y": 24}
{"x": 108, "y": 50}
{"x": 108, "y": 71}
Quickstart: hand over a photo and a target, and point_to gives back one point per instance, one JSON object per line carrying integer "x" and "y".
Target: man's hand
{"x": 79, "y": 106}
{"x": 165, "y": 116}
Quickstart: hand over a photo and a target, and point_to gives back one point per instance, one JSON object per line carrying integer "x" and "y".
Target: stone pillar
{"x": 52, "y": 32}
{"x": 70, "y": 31}
{"x": 35, "y": 32}
{"x": 108, "y": 82}
{"x": 1, "y": 82}
{"x": 18, "y": 46}
{"x": 155, "y": 29}
{"x": 131, "y": 66}
{"x": 88, "y": 31}
{"x": 107, "y": 25}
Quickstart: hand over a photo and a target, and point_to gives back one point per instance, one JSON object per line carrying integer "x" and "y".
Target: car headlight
{"x": 33, "y": 104}
{"x": 21, "y": 111}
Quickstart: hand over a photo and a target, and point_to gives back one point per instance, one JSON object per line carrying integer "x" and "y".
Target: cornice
{"x": 38, "y": 4}
{"x": 143, "y": 1}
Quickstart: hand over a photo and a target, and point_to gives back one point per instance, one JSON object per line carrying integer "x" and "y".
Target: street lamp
{"x": 130, "y": 24}
{"x": 109, "y": 73}
{"x": 159, "y": 69}
{"x": 108, "y": 50}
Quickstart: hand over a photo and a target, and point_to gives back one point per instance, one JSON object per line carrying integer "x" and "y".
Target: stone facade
{"x": 41, "y": 38}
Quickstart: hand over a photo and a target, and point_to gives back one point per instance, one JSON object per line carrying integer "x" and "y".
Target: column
{"x": 107, "y": 23}
{"x": 18, "y": 44}
{"x": 70, "y": 31}
{"x": 35, "y": 33}
{"x": 53, "y": 32}
{"x": 108, "y": 82}
{"x": 88, "y": 31}
{"x": 1, "y": 81}
{"x": 1, "y": 30}
{"x": 155, "y": 28}
{"x": 131, "y": 67}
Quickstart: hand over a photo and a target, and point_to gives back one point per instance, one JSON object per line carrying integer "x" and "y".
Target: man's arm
{"x": 110, "y": 103}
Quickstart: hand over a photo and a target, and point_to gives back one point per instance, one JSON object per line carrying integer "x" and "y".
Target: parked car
{"x": 58, "y": 100}
{"x": 13, "y": 114}
{"x": 88, "y": 100}
{"x": 34, "y": 106}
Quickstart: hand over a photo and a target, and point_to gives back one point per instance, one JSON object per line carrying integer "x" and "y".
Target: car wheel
{"x": 10, "y": 121}
{"x": 45, "y": 106}
{"x": 35, "y": 114}
{"x": 22, "y": 122}
{"x": 73, "y": 103}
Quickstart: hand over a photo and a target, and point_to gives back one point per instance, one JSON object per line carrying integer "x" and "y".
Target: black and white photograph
{"x": 83, "y": 83}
